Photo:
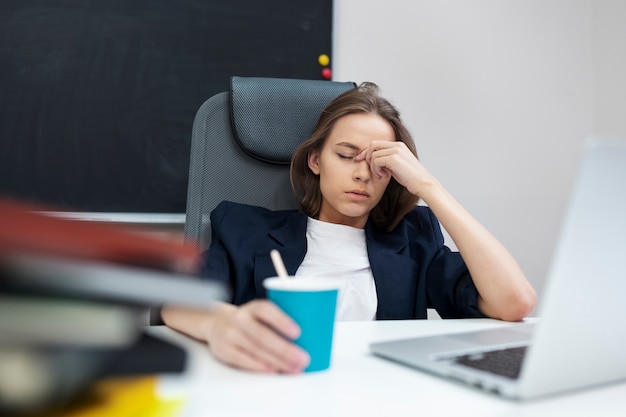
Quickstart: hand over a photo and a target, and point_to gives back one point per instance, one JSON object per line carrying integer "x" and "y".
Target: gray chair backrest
{"x": 242, "y": 142}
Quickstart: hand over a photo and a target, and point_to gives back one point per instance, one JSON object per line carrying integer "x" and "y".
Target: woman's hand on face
{"x": 395, "y": 159}
{"x": 255, "y": 337}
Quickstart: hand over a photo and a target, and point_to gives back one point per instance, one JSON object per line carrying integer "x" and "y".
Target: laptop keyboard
{"x": 506, "y": 362}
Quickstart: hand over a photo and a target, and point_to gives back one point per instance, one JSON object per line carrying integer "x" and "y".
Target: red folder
{"x": 24, "y": 228}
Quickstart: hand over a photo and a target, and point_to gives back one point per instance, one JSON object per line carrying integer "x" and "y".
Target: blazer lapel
{"x": 290, "y": 241}
{"x": 395, "y": 273}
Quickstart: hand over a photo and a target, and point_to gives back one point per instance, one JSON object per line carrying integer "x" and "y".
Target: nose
{"x": 362, "y": 171}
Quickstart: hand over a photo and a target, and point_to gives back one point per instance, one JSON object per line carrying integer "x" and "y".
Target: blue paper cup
{"x": 310, "y": 302}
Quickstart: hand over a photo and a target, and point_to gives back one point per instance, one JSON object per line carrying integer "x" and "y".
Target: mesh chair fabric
{"x": 272, "y": 116}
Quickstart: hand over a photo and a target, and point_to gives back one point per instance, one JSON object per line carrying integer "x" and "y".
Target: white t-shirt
{"x": 340, "y": 252}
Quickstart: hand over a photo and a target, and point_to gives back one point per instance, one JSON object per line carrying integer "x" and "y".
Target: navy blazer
{"x": 413, "y": 270}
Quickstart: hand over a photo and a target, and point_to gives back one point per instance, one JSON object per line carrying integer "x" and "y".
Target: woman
{"x": 359, "y": 180}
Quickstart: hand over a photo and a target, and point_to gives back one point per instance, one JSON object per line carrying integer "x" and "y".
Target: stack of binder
{"x": 73, "y": 301}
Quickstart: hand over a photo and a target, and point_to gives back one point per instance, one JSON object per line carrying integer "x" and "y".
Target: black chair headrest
{"x": 272, "y": 116}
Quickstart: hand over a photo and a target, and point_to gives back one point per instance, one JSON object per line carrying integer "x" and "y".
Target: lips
{"x": 358, "y": 194}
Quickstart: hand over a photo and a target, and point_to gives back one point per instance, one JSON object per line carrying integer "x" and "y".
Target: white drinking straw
{"x": 279, "y": 266}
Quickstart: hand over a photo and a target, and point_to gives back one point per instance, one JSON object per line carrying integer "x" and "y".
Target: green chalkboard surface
{"x": 97, "y": 97}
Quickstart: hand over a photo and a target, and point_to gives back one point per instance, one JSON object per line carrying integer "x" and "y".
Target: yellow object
{"x": 323, "y": 60}
{"x": 121, "y": 397}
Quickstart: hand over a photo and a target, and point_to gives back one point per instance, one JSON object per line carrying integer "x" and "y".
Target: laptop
{"x": 579, "y": 339}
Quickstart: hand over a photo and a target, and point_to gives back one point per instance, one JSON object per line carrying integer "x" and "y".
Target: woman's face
{"x": 349, "y": 190}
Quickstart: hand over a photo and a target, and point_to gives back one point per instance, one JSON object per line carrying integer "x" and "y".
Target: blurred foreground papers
{"x": 71, "y": 297}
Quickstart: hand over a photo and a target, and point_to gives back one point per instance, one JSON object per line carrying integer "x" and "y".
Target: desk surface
{"x": 359, "y": 384}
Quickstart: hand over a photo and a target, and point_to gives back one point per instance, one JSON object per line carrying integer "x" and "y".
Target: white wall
{"x": 499, "y": 96}
{"x": 608, "y": 48}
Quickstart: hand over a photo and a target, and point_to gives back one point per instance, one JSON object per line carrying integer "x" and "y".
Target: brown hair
{"x": 397, "y": 201}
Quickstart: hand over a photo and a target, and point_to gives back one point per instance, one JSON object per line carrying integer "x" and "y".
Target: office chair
{"x": 242, "y": 142}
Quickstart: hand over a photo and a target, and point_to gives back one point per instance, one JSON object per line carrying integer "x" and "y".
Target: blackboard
{"x": 97, "y": 97}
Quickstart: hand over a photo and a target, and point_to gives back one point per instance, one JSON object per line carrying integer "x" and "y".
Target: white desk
{"x": 360, "y": 384}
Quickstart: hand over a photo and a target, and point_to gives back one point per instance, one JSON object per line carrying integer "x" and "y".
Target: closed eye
{"x": 343, "y": 156}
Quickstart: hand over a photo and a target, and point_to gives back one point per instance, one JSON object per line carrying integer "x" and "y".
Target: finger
{"x": 232, "y": 350}
{"x": 265, "y": 327}
{"x": 379, "y": 171}
{"x": 244, "y": 360}
{"x": 375, "y": 156}
{"x": 378, "y": 164}
{"x": 366, "y": 155}
{"x": 273, "y": 346}
{"x": 263, "y": 349}
{"x": 270, "y": 348}
{"x": 269, "y": 313}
